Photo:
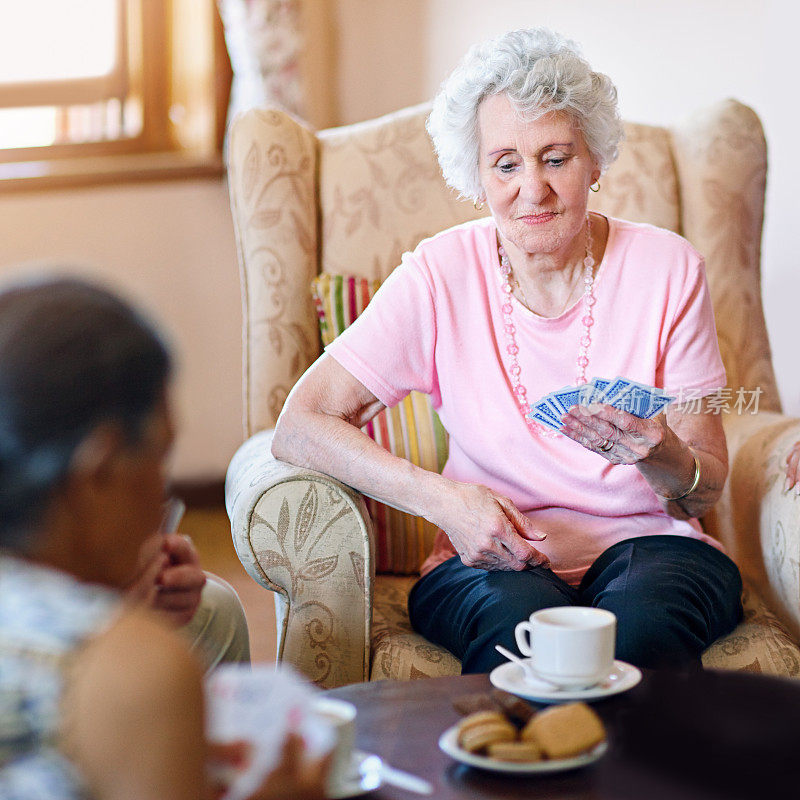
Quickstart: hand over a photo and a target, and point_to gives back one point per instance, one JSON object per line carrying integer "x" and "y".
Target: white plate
{"x": 510, "y": 678}
{"x": 448, "y": 743}
{"x": 364, "y": 776}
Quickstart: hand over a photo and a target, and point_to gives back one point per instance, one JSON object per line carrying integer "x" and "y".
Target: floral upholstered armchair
{"x": 344, "y": 204}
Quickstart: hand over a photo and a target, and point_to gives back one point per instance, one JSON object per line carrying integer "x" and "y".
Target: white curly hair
{"x": 540, "y": 71}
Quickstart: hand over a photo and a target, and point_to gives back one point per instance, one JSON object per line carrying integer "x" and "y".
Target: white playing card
{"x": 261, "y": 704}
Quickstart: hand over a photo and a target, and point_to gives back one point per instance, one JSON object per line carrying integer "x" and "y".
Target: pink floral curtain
{"x": 264, "y": 39}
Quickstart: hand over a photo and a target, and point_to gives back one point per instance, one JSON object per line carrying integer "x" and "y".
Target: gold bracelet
{"x": 695, "y": 482}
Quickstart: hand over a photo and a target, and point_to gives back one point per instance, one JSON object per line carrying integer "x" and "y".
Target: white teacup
{"x": 341, "y": 717}
{"x": 569, "y": 646}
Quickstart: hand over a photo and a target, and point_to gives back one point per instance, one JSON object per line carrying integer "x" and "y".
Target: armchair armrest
{"x": 308, "y": 538}
{"x": 755, "y": 519}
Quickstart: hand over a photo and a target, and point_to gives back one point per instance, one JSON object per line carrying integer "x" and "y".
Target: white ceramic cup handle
{"x": 523, "y": 642}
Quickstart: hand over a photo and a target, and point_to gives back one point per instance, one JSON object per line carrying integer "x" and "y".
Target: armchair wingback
{"x": 352, "y": 200}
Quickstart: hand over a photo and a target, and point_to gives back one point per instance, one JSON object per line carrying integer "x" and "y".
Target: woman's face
{"x": 535, "y": 176}
{"x": 128, "y": 502}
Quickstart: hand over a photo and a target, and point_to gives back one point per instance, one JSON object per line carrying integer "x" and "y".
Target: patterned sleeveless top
{"x": 45, "y": 615}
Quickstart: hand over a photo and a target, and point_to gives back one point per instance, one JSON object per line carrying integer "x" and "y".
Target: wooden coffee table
{"x": 717, "y": 734}
{"x": 401, "y": 721}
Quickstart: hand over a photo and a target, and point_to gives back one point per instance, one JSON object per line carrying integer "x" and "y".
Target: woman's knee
{"x": 463, "y": 592}
{"x": 672, "y": 596}
{"x": 218, "y": 630}
{"x": 463, "y": 608}
{"x": 656, "y": 636}
{"x": 509, "y": 597}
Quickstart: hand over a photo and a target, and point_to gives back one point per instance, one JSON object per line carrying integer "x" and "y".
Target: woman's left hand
{"x": 620, "y": 437}
{"x": 169, "y": 577}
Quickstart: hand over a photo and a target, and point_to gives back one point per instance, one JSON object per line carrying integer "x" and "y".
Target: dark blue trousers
{"x": 672, "y": 596}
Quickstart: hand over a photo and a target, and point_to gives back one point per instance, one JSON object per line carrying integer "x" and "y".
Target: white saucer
{"x": 511, "y": 678}
{"x": 364, "y": 776}
{"x": 448, "y": 743}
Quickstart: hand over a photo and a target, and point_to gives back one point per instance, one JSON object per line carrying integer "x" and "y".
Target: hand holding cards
{"x": 635, "y": 398}
{"x": 262, "y": 705}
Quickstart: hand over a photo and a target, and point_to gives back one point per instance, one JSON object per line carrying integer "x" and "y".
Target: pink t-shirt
{"x": 435, "y": 326}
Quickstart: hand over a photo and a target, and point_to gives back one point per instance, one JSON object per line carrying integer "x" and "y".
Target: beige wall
{"x": 381, "y": 56}
{"x": 171, "y": 245}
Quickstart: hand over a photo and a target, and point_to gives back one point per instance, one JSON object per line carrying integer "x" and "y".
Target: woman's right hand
{"x": 792, "y": 467}
{"x": 487, "y": 530}
{"x": 294, "y": 776}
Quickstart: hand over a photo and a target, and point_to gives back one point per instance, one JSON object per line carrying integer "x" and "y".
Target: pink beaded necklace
{"x": 582, "y": 361}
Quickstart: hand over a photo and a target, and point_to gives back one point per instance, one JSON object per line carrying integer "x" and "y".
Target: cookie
{"x": 515, "y": 751}
{"x": 481, "y": 736}
{"x": 565, "y": 731}
{"x": 478, "y": 731}
{"x": 481, "y": 718}
{"x": 516, "y": 709}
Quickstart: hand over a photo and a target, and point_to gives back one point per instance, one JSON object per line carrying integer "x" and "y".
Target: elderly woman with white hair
{"x": 488, "y": 315}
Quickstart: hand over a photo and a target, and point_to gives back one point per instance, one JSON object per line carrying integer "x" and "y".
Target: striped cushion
{"x": 410, "y": 430}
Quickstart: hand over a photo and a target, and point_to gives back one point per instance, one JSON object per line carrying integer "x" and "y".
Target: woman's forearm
{"x": 320, "y": 428}
{"x": 330, "y": 444}
{"x": 673, "y": 475}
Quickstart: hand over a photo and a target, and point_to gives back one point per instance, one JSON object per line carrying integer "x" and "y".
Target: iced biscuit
{"x": 515, "y": 751}
{"x": 564, "y": 731}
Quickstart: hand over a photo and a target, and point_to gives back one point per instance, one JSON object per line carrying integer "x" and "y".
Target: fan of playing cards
{"x": 635, "y": 398}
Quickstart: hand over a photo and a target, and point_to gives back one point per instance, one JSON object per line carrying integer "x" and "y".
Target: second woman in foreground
{"x": 488, "y": 316}
{"x": 98, "y": 697}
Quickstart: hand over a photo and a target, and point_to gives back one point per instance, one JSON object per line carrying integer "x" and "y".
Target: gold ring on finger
{"x": 606, "y": 445}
